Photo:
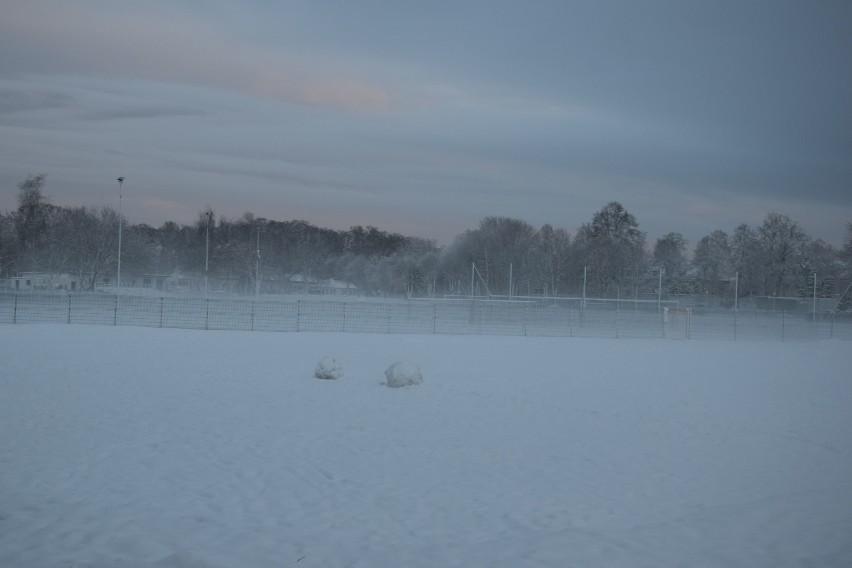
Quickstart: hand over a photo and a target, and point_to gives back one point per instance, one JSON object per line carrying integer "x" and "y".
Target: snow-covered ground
{"x": 136, "y": 447}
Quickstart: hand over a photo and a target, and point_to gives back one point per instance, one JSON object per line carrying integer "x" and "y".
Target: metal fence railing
{"x": 471, "y": 317}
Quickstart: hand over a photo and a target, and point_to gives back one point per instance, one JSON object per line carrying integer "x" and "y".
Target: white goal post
{"x": 676, "y": 322}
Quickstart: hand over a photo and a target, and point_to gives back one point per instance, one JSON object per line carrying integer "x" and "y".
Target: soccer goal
{"x": 676, "y": 322}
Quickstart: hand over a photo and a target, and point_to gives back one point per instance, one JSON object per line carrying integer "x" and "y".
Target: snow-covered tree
{"x": 31, "y": 220}
{"x": 781, "y": 243}
{"x": 8, "y": 244}
{"x": 670, "y": 255}
{"x": 745, "y": 259}
{"x": 712, "y": 256}
{"x": 847, "y": 246}
{"x": 500, "y": 247}
{"x": 551, "y": 260}
{"x": 612, "y": 248}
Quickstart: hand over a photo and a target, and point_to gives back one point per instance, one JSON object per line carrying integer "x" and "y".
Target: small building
{"x": 334, "y": 287}
{"x": 301, "y": 284}
{"x": 176, "y": 282}
{"x": 42, "y": 281}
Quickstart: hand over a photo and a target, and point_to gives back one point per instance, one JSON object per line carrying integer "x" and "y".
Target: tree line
{"x": 607, "y": 257}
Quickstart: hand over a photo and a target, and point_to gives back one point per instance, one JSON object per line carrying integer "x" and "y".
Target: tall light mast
{"x": 118, "y": 276}
{"x": 206, "y": 253}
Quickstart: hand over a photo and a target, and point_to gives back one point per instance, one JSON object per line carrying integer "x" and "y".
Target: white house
{"x": 30, "y": 281}
{"x": 298, "y": 283}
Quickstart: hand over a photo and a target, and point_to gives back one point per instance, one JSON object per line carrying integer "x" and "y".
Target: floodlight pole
{"x": 118, "y": 275}
{"x": 257, "y": 269}
{"x": 736, "y": 290}
{"x": 206, "y": 253}
{"x": 814, "y": 312}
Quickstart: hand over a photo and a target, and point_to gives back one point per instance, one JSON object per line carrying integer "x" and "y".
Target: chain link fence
{"x": 530, "y": 317}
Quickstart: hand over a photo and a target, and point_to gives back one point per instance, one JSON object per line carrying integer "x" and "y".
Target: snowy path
{"x": 148, "y": 448}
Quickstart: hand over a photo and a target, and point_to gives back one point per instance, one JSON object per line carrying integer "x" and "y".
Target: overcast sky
{"x": 422, "y": 117}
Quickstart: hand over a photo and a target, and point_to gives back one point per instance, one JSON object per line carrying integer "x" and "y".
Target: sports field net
{"x": 458, "y": 316}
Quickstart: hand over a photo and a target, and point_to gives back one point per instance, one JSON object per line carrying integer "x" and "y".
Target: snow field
{"x": 147, "y": 448}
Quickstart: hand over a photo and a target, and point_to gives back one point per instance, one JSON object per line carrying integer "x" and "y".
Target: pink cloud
{"x": 161, "y": 204}
{"x": 705, "y": 209}
{"x": 172, "y": 46}
{"x": 338, "y": 92}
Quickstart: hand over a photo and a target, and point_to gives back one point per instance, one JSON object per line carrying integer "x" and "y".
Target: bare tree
{"x": 92, "y": 237}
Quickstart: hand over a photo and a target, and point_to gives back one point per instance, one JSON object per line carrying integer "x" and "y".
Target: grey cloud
{"x": 544, "y": 110}
{"x": 143, "y": 112}
{"x": 16, "y": 101}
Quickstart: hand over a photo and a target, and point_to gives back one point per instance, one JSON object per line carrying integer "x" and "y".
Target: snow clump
{"x": 329, "y": 368}
{"x": 403, "y": 374}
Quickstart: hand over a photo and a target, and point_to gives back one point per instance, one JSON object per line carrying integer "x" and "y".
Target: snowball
{"x": 403, "y": 374}
{"x": 329, "y": 368}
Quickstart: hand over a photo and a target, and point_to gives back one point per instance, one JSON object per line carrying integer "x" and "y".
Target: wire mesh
{"x": 545, "y": 318}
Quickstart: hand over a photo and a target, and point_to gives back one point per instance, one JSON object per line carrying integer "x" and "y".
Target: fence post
{"x": 568, "y": 313}
{"x": 206, "y": 314}
{"x": 15, "y": 310}
{"x": 343, "y": 326}
{"x": 115, "y": 312}
{"x": 161, "y": 311}
{"x": 252, "y": 314}
{"x": 735, "y": 325}
{"x": 69, "y": 309}
{"x": 616, "y": 319}
{"x": 298, "y": 315}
